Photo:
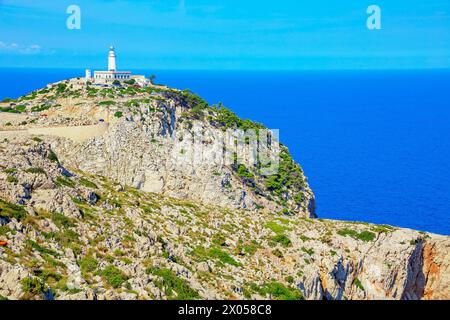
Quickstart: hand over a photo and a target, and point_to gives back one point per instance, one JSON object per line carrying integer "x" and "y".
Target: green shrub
{"x": 126, "y": 260}
{"x": 278, "y": 291}
{"x": 10, "y": 210}
{"x": 52, "y": 156}
{"x": 275, "y": 227}
{"x": 41, "y": 107}
{"x": 243, "y": 172}
{"x": 113, "y": 276}
{"x": 119, "y": 253}
{"x": 289, "y": 279}
{"x": 365, "y": 236}
{"x": 36, "y": 171}
{"x": 223, "y": 257}
{"x": 308, "y": 251}
{"x": 304, "y": 238}
{"x": 64, "y": 181}
{"x": 48, "y": 276}
{"x": 282, "y": 239}
{"x": 250, "y": 248}
{"x": 12, "y": 179}
{"x": 9, "y": 110}
{"x": 193, "y": 100}
{"x": 130, "y": 82}
{"x": 43, "y": 91}
{"x": 298, "y": 198}
{"x": 61, "y": 221}
{"x": 37, "y": 247}
{"x": 21, "y": 108}
{"x": 215, "y": 253}
{"x": 66, "y": 238}
{"x": 358, "y": 284}
{"x": 61, "y": 87}
{"x": 218, "y": 239}
{"x": 33, "y": 286}
{"x": 290, "y": 175}
{"x": 107, "y": 103}
{"x": 4, "y": 230}
{"x": 228, "y": 119}
{"x": 277, "y": 253}
{"x": 171, "y": 284}
{"x": 132, "y": 103}
{"x": 88, "y": 184}
{"x": 118, "y": 114}
{"x": 88, "y": 264}
{"x": 382, "y": 228}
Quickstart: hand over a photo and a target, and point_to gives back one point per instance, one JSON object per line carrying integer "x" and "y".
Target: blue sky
{"x": 226, "y": 34}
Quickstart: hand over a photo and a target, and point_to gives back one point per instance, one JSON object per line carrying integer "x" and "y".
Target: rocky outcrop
{"x": 159, "y": 142}
{"x": 436, "y": 268}
{"x": 388, "y": 268}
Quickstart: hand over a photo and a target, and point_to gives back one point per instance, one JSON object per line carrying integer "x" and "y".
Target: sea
{"x": 375, "y": 145}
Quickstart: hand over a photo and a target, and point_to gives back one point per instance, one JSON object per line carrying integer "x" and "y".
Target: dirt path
{"x": 6, "y": 117}
{"x": 75, "y": 133}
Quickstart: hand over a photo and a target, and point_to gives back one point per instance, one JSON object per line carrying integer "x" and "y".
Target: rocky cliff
{"x": 150, "y": 193}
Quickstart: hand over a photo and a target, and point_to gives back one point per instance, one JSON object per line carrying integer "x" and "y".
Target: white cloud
{"x": 20, "y": 49}
{"x": 31, "y": 49}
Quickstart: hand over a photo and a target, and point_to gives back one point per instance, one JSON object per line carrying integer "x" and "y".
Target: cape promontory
{"x": 127, "y": 192}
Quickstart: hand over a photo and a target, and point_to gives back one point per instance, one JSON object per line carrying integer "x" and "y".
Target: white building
{"x": 141, "y": 81}
{"x": 112, "y": 73}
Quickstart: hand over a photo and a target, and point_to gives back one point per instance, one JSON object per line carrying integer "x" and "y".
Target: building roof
{"x": 113, "y": 72}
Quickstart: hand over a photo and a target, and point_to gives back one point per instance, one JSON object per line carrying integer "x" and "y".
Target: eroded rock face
{"x": 436, "y": 267}
{"x": 158, "y": 155}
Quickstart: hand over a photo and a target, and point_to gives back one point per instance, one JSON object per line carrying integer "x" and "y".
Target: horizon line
{"x": 247, "y": 70}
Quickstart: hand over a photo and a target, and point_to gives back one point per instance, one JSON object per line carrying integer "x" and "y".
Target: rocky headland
{"x": 129, "y": 193}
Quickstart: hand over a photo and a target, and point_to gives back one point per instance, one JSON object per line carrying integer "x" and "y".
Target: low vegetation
{"x": 216, "y": 254}
{"x": 113, "y": 276}
{"x": 10, "y": 210}
{"x": 36, "y": 171}
{"x": 172, "y": 285}
{"x": 278, "y": 291}
{"x": 64, "y": 181}
{"x": 365, "y": 236}
{"x": 33, "y": 287}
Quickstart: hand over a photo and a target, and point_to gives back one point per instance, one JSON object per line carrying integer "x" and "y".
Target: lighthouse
{"x": 112, "y": 76}
{"x": 112, "y": 59}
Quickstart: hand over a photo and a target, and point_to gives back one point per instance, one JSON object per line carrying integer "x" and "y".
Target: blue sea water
{"x": 374, "y": 145}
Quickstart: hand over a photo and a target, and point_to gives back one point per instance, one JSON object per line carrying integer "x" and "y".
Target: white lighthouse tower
{"x": 110, "y": 76}
{"x": 112, "y": 59}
